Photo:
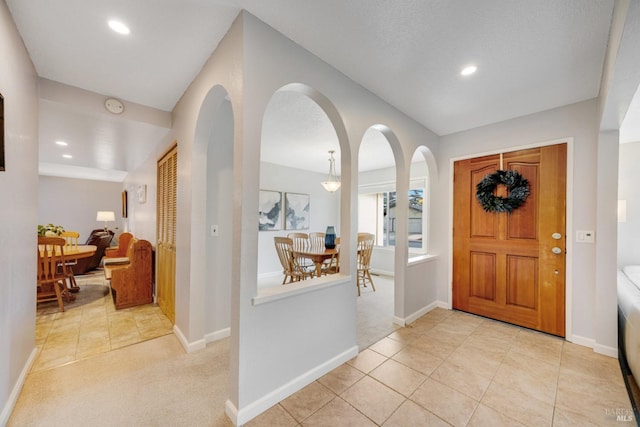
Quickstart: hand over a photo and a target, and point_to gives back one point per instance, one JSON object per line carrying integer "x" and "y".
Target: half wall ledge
{"x": 266, "y": 295}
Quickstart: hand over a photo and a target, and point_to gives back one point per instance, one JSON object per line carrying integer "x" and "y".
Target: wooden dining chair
{"x": 332, "y": 266}
{"x": 300, "y": 240}
{"x": 316, "y": 239}
{"x": 71, "y": 244}
{"x": 316, "y": 242}
{"x": 292, "y": 270}
{"x": 71, "y": 238}
{"x": 365, "y": 248}
{"x": 51, "y": 281}
{"x": 301, "y": 243}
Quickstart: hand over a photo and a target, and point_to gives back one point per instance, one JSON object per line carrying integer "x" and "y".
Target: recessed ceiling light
{"x": 119, "y": 27}
{"x": 67, "y": 156}
{"x": 62, "y": 143}
{"x": 468, "y": 70}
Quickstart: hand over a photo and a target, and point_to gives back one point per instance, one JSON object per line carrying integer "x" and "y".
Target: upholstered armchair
{"x": 101, "y": 240}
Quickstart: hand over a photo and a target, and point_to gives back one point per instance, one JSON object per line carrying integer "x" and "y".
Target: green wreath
{"x": 517, "y": 185}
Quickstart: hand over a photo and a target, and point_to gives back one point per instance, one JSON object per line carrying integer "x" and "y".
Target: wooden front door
{"x": 166, "y": 232}
{"x": 505, "y": 265}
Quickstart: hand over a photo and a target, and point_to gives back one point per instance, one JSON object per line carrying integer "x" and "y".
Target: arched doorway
{"x": 213, "y": 158}
{"x": 377, "y": 214}
{"x": 297, "y": 135}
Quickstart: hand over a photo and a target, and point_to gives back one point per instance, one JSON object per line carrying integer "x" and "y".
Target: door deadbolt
{"x": 557, "y": 236}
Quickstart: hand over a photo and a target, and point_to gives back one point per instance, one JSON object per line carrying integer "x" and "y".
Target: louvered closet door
{"x": 166, "y": 233}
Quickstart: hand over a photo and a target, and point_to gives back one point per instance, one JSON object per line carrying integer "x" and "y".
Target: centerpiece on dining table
{"x": 330, "y": 237}
{"x": 50, "y": 230}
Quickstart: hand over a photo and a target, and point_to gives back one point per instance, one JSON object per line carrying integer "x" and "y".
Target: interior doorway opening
{"x": 377, "y": 215}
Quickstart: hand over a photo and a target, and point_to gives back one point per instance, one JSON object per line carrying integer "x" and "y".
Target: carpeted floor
{"x": 375, "y": 312}
{"x": 153, "y": 383}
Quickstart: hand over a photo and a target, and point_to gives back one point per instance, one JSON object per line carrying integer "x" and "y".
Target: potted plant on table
{"x": 50, "y": 230}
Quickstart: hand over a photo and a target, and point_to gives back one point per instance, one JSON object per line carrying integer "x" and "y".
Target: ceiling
{"x": 531, "y": 56}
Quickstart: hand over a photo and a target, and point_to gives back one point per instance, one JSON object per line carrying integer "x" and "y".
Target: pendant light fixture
{"x": 332, "y": 183}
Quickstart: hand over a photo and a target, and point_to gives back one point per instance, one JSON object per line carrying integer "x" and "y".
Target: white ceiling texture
{"x": 531, "y": 56}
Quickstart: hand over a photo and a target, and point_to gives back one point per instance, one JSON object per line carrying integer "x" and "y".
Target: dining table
{"x": 73, "y": 254}
{"x": 317, "y": 254}
{"x": 79, "y": 251}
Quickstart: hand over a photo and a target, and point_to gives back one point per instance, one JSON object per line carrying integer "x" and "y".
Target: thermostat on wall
{"x": 114, "y": 105}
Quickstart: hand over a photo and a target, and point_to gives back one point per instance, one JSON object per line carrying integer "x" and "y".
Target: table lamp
{"x": 105, "y": 216}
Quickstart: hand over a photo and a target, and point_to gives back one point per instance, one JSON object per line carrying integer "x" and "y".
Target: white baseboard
{"x": 217, "y": 335}
{"x": 375, "y": 271}
{"x": 399, "y": 321}
{"x": 424, "y": 310}
{"x": 231, "y": 411}
{"x": 442, "y": 304}
{"x": 592, "y": 344}
{"x": 244, "y": 415}
{"x": 606, "y": 350}
{"x": 17, "y": 388}
{"x": 580, "y": 340}
{"x": 189, "y": 347}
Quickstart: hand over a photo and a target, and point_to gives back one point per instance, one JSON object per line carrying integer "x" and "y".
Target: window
{"x": 377, "y": 214}
{"x": 389, "y": 218}
{"x": 416, "y": 202}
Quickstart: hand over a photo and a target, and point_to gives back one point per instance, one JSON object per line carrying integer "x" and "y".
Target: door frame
{"x": 568, "y": 214}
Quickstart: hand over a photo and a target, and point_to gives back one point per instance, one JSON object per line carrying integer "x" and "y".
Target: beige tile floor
{"x": 452, "y": 368}
{"x": 93, "y": 328}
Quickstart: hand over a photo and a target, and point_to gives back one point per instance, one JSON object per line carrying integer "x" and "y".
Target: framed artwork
{"x": 142, "y": 193}
{"x": 297, "y": 211}
{"x": 124, "y": 204}
{"x": 270, "y": 210}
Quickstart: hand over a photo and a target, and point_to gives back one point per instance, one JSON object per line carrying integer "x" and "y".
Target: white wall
{"x": 629, "y": 177}
{"x": 324, "y": 328}
{"x": 280, "y": 346}
{"x": 577, "y": 121}
{"x": 219, "y": 212}
{"x": 141, "y": 218}
{"x": 18, "y": 216}
{"x": 605, "y": 292}
{"x": 324, "y": 208}
{"x": 73, "y": 204}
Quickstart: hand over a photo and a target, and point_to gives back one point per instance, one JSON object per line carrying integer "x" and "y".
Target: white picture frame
{"x": 142, "y": 193}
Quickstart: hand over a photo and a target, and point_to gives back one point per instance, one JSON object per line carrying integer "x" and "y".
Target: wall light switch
{"x": 585, "y": 236}
{"x": 214, "y": 230}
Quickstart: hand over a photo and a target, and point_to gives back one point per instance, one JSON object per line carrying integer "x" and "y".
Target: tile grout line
{"x": 555, "y": 395}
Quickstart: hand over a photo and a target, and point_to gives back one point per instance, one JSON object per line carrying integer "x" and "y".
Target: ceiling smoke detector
{"x": 114, "y": 106}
